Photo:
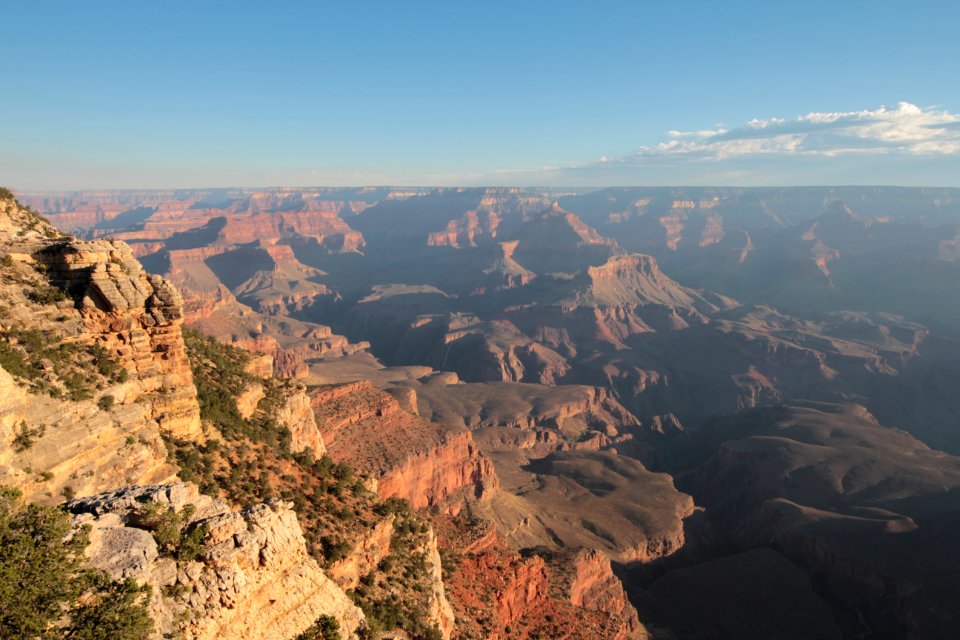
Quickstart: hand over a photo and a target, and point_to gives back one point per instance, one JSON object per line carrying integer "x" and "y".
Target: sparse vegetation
{"x": 48, "y": 363}
{"x": 219, "y": 375}
{"x": 255, "y": 463}
{"x": 174, "y": 536}
{"x": 46, "y": 591}
{"x": 325, "y": 628}
{"x": 29, "y": 218}
{"x": 24, "y": 436}
{"x": 46, "y": 295}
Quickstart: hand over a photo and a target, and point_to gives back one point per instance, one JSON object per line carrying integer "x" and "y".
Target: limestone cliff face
{"x": 76, "y": 448}
{"x": 249, "y": 398}
{"x": 105, "y": 365}
{"x": 366, "y": 554}
{"x": 439, "y": 611}
{"x": 296, "y": 414}
{"x": 252, "y": 580}
{"x": 135, "y": 316}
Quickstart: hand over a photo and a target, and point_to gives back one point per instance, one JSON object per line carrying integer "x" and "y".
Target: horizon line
{"x": 487, "y": 186}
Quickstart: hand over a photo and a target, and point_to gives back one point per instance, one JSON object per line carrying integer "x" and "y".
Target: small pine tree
{"x": 325, "y": 628}
{"x": 45, "y": 585}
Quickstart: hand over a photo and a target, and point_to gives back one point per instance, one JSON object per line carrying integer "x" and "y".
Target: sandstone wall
{"x": 253, "y": 580}
{"x": 136, "y": 317}
{"x": 428, "y": 477}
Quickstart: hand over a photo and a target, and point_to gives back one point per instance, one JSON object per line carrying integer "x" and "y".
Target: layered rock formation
{"x": 500, "y": 594}
{"x": 365, "y": 557}
{"x": 832, "y": 490}
{"x": 296, "y": 414}
{"x": 411, "y": 458}
{"x": 135, "y": 316}
{"x": 590, "y": 499}
{"x": 252, "y": 577}
{"x": 505, "y": 272}
{"x": 98, "y": 359}
{"x": 504, "y": 290}
{"x": 593, "y": 586}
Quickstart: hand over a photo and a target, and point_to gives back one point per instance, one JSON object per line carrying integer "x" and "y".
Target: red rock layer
{"x": 411, "y": 457}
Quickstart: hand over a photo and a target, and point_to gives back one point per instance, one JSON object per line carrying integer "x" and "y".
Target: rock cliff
{"x": 94, "y": 364}
{"x": 250, "y": 578}
{"x": 133, "y": 315}
{"x": 411, "y": 457}
{"x": 593, "y": 586}
{"x": 296, "y": 414}
{"x": 499, "y": 594}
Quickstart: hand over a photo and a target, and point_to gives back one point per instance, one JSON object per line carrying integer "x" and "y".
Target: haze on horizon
{"x": 119, "y": 95}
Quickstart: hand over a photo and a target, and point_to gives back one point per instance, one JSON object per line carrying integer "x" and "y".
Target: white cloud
{"x": 904, "y": 129}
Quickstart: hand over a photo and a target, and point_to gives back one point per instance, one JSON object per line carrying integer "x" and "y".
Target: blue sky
{"x": 186, "y": 94}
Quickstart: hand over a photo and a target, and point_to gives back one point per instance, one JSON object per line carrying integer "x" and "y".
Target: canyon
{"x": 496, "y": 413}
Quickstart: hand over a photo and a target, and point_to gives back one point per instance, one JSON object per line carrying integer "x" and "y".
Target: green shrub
{"x": 46, "y": 295}
{"x": 105, "y": 402}
{"x": 45, "y": 588}
{"x": 219, "y": 375}
{"x": 24, "y": 436}
{"x": 170, "y": 530}
{"x": 78, "y": 387}
{"x": 325, "y": 628}
{"x": 15, "y": 363}
{"x": 116, "y": 611}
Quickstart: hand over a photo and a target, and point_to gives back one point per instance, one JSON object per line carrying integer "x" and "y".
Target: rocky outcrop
{"x": 249, "y": 398}
{"x": 477, "y": 357}
{"x": 252, "y": 579}
{"x": 296, "y": 414}
{"x": 410, "y": 457}
{"x": 524, "y": 588}
{"x": 567, "y": 410}
{"x": 582, "y": 498}
{"x": 593, "y": 586}
{"x": 367, "y": 553}
{"x": 472, "y": 227}
{"x": 346, "y": 405}
{"x": 136, "y": 317}
{"x": 505, "y": 272}
{"x": 325, "y": 228}
{"x": 608, "y": 303}
{"x": 558, "y": 241}
{"x": 500, "y": 594}
{"x": 106, "y": 368}
{"x": 75, "y": 448}
{"x": 439, "y": 612}
{"x": 428, "y": 477}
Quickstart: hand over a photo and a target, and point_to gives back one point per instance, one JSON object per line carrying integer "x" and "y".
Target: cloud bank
{"x": 904, "y": 129}
{"x": 905, "y": 145}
